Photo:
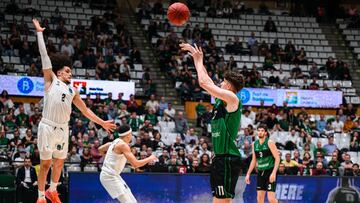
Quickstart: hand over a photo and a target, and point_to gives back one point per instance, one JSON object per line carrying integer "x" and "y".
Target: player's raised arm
{"x": 79, "y": 103}
{"x": 275, "y": 154}
{"x": 205, "y": 81}
{"x": 45, "y": 60}
{"x": 125, "y": 149}
{"x": 252, "y": 166}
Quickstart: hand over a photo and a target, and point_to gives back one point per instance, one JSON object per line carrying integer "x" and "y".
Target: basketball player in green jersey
{"x": 225, "y": 123}
{"x": 265, "y": 154}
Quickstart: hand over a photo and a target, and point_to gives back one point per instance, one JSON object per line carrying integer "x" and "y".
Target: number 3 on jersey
{"x": 63, "y": 97}
{"x": 260, "y": 154}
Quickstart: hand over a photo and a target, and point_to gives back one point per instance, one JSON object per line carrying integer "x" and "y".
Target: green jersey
{"x": 224, "y": 129}
{"x": 264, "y": 157}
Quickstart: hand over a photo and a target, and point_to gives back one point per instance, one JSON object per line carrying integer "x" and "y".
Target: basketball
{"x": 178, "y": 14}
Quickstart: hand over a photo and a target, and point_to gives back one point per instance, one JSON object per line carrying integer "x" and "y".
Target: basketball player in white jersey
{"x": 118, "y": 153}
{"x": 53, "y": 133}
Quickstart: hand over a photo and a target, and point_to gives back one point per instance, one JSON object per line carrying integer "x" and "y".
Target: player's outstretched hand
{"x": 37, "y": 26}
{"x": 272, "y": 177}
{"x": 109, "y": 125}
{"x": 247, "y": 179}
{"x": 195, "y": 51}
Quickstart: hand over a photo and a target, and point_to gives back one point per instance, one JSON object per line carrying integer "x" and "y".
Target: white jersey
{"x": 114, "y": 163}
{"x": 57, "y": 102}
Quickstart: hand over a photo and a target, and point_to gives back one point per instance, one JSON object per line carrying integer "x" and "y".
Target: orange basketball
{"x": 178, "y": 14}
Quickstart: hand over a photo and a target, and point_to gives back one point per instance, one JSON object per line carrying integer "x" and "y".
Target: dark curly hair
{"x": 59, "y": 61}
{"x": 235, "y": 79}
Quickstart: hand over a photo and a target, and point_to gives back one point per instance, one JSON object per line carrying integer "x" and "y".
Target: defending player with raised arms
{"x": 225, "y": 167}
{"x": 53, "y": 132}
{"x": 266, "y": 156}
{"x": 117, "y": 154}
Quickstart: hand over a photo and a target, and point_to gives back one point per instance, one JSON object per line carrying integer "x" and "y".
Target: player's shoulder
{"x": 121, "y": 145}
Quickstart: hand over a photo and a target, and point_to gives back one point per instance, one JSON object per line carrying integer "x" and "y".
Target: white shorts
{"x": 53, "y": 140}
{"x": 116, "y": 187}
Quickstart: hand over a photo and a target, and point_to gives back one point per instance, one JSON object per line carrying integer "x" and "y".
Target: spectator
{"x": 134, "y": 122}
{"x": 67, "y": 49}
{"x": 4, "y": 141}
{"x": 282, "y": 170}
{"x": 85, "y": 158}
{"x": 334, "y": 164}
{"x": 151, "y": 116}
{"x": 338, "y": 125}
{"x": 191, "y": 136}
{"x": 164, "y": 157}
{"x": 178, "y": 144}
{"x": 206, "y": 32}
{"x": 348, "y": 124}
{"x": 22, "y": 119}
{"x": 251, "y": 41}
{"x": 246, "y": 151}
{"x": 356, "y": 171}
{"x": 297, "y": 156}
{"x": 290, "y": 165}
{"x": 314, "y": 71}
{"x": 330, "y": 147}
{"x": 296, "y": 72}
{"x": 306, "y": 167}
{"x": 246, "y": 120}
{"x": 355, "y": 141}
{"x": 320, "y": 149}
{"x": 181, "y": 124}
{"x": 270, "y": 26}
{"x": 234, "y": 48}
{"x": 204, "y": 166}
{"x": 152, "y": 104}
{"x": 204, "y": 149}
{"x": 319, "y": 170}
{"x": 26, "y": 181}
{"x": 346, "y": 166}
{"x": 124, "y": 71}
{"x": 162, "y": 106}
{"x": 132, "y": 105}
{"x": 200, "y": 110}
{"x": 73, "y": 156}
{"x": 321, "y": 124}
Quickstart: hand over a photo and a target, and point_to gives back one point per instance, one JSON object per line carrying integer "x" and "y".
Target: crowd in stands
{"x": 189, "y": 151}
{"x": 180, "y": 68}
{"x": 104, "y": 45}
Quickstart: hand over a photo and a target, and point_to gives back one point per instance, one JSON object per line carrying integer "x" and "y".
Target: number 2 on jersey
{"x": 63, "y": 97}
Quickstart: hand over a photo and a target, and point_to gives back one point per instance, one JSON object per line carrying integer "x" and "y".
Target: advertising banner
{"x": 193, "y": 188}
{"x": 34, "y": 86}
{"x": 293, "y": 97}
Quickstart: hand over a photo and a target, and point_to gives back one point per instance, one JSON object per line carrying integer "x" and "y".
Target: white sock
{"x": 41, "y": 194}
{"x": 53, "y": 186}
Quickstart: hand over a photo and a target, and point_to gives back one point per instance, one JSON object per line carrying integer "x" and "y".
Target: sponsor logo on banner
{"x": 291, "y": 98}
{"x": 25, "y": 85}
{"x": 245, "y": 96}
{"x": 80, "y": 86}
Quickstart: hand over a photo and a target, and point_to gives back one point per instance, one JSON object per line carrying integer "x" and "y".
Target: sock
{"x": 41, "y": 194}
{"x": 53, "y": 186}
